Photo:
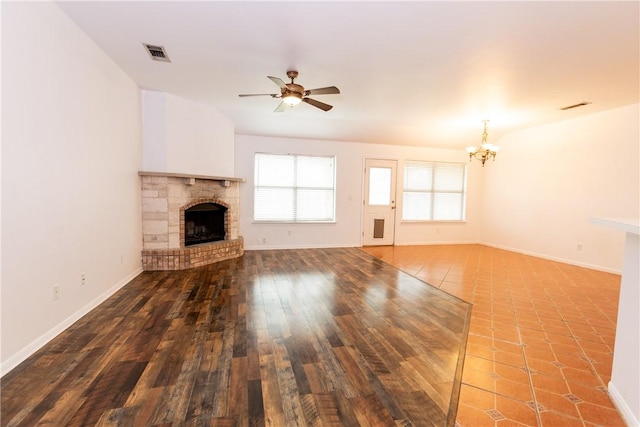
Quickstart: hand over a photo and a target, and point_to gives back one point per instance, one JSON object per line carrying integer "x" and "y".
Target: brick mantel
{"x": 165, "y": 196}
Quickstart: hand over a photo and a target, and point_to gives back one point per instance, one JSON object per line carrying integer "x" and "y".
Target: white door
{"x": 379, "y": 202}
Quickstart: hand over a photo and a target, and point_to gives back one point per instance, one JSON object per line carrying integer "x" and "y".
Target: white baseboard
{"x": 263, "y": 247}
{"x": 551, "y": 258}
{"x": 622, "y": 406}
{"x": 434, "y": 243}
{"x": 43, "y": 339}
{"x": 309, "y": 246}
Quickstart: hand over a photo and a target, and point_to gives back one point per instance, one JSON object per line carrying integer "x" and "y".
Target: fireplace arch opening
{"x": 203, "y": 223}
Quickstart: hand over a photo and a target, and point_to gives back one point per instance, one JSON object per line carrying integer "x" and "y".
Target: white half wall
{"x": 347, "y": 229}
{"x": 71, "y": 150}
{"x": 548, "y": 181}
{"x": 181, "y": 136}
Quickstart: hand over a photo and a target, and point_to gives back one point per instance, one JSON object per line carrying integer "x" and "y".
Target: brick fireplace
{"x": 165, "y": 198}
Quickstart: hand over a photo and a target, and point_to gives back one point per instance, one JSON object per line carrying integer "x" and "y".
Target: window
{"x": 292, "y": 188}
{"x": 433, "y": 191}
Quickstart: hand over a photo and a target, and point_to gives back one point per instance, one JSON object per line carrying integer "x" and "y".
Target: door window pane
{"x": 379, "y": 186}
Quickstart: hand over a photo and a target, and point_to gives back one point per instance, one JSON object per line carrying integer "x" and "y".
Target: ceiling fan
{"x": 292, "y": 93}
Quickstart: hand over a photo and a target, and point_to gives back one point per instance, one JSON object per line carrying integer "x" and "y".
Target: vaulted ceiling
{"x": 414, "y": 73}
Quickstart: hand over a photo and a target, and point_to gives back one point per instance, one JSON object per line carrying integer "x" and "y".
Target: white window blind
{"x": 294, "y": 188}
{"x": 434, "y": 191}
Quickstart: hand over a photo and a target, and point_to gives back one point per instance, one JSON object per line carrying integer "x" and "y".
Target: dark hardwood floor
{"x": 318, "y": 337}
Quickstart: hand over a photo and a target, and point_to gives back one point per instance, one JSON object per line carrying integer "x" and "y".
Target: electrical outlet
{"x": 83, "y": 279}
{"x": 579, "y": 247}
{"x": 264, "y": 240}
{"x": 56, "y": 292}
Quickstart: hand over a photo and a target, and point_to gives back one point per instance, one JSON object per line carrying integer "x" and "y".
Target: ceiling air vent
{"x": 580, "y": 104}
{"x": 157, "y": 53}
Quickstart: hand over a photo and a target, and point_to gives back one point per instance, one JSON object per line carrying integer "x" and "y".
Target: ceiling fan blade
{"x": 273, "y": 95}
{"x": 280, "y": 108}
{"x": 318, "y": 104}
{"x": 323, "y": 91}
{"x": 278, "y": 81}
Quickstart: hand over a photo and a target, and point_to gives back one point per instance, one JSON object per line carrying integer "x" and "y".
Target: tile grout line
{"x": 587, "y": 359}
{"x": 536, "y": 407}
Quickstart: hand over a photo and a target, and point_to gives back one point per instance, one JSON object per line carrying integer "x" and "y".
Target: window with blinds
{"x": 294, "y": 188}
{"x": 434, "y": 191}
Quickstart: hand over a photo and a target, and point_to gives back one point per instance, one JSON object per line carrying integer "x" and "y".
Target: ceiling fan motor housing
{"x": 294, "y": 89}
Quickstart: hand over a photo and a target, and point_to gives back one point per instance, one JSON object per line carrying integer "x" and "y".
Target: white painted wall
{"x": 347, "y": 229}
{"x": 71, "y": 149}
{"x": 1, "y": 220}
{"x": 624, "y": 387}
{"x": 154, "y": 131}
{"x": 182, "y": 136}
{"x": 548, "y": 181}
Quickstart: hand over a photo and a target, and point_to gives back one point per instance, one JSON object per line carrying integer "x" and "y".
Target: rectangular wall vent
{"x": 157, "y": 53}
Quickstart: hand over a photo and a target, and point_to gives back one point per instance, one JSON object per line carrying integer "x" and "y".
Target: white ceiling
{"x": 414, "y": 73}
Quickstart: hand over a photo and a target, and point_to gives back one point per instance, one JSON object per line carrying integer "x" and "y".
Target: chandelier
{"x": 485, "y": 150}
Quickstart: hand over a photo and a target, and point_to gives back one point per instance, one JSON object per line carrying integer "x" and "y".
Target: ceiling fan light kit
{"x": 292, "y": 98}
{"x": 293, "y": 94}
{"x": 486, "y": 150}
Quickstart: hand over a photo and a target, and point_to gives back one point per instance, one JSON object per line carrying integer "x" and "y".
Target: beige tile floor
{"x": 541, "y": 337}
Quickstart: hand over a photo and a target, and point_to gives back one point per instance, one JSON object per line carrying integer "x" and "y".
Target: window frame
{"x": 433, "y": 192}
{"x": 295, "y": 188}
